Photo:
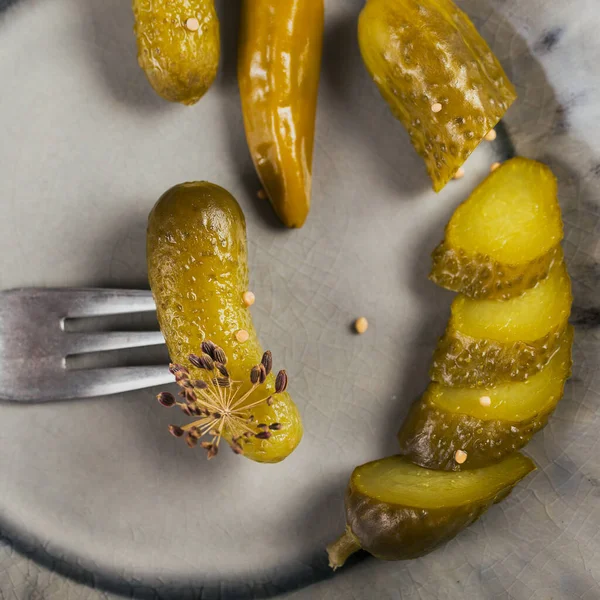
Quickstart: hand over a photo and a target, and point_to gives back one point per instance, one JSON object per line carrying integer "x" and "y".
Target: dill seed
{"x": 254, "y": 374}
{"x": 270, "y": 401}
{"x": 191, "y": 441}
{"x": 199, "y": 384}
{"x": 275, "y": 426}
{"x": 263, "y": 374}
{"x": 208, "y": 348}
{"x": 176, "y": 430}
{"x": 281, "y": 382}
{"x": 267, "y": 361}
{"x": 219, "y": 355}
{"x": 176, "y": 368}
{"x": 202, "y": 362}
{"x": 222, "y": 369}
{"x": 263, "y": 435}
{"x": 166, "y": 399}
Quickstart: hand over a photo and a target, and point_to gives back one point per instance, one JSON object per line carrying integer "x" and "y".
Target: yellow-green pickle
{"x": 396, "y": 510}
{"x": 198, "y": 270}
{"x": 505, "y": 237}
{"x": 178, "y": 46}
{"x": 483, "y": 425}
{"x": 488, "y": 342}
{"x": 438, "y": 75}
{"x": 279, "y": 66}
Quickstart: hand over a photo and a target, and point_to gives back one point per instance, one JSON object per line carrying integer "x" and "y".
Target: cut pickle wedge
{"x": 397, "y": 510}
{"x": 488, "y": 342}
{"x": 446, "y": 420}
{"x": 505, "y": 237}
{"x": 438, "y": 75}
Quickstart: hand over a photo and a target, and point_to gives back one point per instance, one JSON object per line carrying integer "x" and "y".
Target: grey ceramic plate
{"x": 97, "y": 494}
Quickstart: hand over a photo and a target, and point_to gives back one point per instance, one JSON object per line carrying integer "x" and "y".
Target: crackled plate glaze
{"x": 96, "y": 494}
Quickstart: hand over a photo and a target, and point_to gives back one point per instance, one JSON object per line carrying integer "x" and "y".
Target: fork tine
{"x": 87, "y": 383}
{"x": 79, "y": 343}
{"x": 103, "y": 302}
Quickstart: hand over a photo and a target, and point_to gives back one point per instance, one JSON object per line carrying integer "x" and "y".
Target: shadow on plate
{"x": 112, "y": 45}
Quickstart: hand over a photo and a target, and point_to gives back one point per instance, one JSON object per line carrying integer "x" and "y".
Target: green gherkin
{"x": 198, "y": 270}
{"x": 505, "y": 237}
{"x": 397, "y": 510}
{"x": 446, "y": 420}
{"x": 438, "y": 75}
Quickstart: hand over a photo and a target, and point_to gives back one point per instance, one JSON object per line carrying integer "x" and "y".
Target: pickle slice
{"x": 492, "y": 341}
{"x": 438, "y": 75}
{"x": 446, "y": 420}
{"x": 505, "y": 237}
{"x": 397, "y": 510}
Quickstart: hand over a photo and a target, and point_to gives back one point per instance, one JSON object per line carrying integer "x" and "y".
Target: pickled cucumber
{"x": 198, "y": 270}
{"x": 486, "y": 424}
{"x": 279, "y": 67}
{"x": 438, "y": 75}
{"x": 397, "y": 510}
{"x": 505, "y": 237}
{"x": 178, "y": 46}
{"x": 492, "y": 341}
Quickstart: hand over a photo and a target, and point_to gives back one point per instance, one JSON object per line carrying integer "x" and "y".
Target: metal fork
{"x": 34, "y": 344}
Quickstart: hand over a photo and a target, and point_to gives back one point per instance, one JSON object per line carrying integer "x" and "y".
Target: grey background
{"x": 97, "y": 499}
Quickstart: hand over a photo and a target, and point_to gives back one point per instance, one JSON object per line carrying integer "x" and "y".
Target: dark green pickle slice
{"x": 448, "y": 420}
{"x": 505, "y": 237}
{"x": 488, "y": 342}
{"x": 426, "y": 54}
{"x": 396, "y": 510}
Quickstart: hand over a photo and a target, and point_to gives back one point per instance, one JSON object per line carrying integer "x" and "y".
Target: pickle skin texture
{"x": 431, "y": 434}
{"x": 424, "y": 52}
{"x": 180, "y": 64}
{"x": 463, "y": 361}
{"x": 198, "y": 271}
{"x": 279, "y": 67}
{"x": 430, "y": 437}
{"x": 479, "y": 276}
{"x": 396, "y": 532}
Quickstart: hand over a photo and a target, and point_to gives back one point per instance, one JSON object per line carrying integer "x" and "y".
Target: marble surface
{"x": 97, "y": 502}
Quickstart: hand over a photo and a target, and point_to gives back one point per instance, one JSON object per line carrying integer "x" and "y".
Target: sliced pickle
{"x": 505, "y": 237}
{"x": 486, "y": 424}
{"x": 397, "y": 510}
{"x": 488, "y": 342}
